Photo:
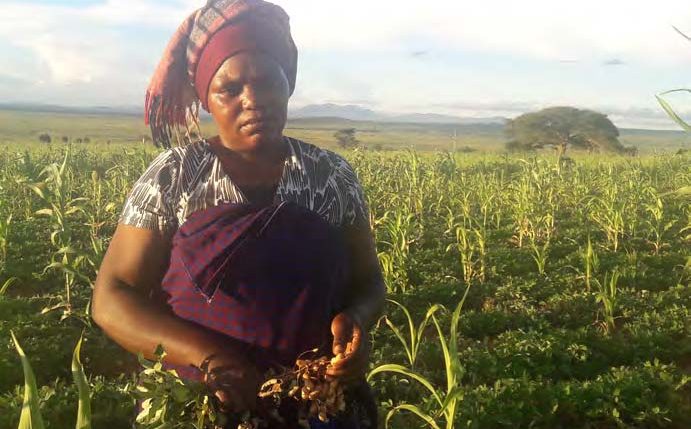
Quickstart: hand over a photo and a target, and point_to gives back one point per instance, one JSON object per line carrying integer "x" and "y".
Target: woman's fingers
{"x": 353, "y": 365}
{"x": 235, "y": 399}
{"x": 347, "y": 337}
{"x": 355, "y": 340}
{"x": 342, "y": 331}
{"x": 353, "y": 371}
{"x": 235, "y": 387}
{"x": 228, "y": 400}
{"x": 228, "y": 403}
{"x": 349, "y": 347}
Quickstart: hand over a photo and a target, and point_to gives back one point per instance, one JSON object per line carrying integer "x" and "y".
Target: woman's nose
{"x": 253, "y": 98}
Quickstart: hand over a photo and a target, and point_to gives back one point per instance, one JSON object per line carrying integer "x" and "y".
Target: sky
{"x": 465, "y": 58}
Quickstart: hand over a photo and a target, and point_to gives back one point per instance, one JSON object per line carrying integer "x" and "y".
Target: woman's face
{"x": 248, "y": 100}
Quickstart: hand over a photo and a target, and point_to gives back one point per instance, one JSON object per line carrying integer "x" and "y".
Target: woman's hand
{"x": 234, "y": 381}
{"x": 351, "y": 343}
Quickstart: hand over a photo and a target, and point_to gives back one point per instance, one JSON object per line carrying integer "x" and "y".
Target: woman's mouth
{"x": 256, "y": 125}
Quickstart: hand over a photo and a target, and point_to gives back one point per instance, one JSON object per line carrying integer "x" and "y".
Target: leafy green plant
{"x": 412, "y": 343}
{"x": 6, "y": 285}
{"x": 447, "y": 397}
{"x": 30, "y": 417}
{"x": 470, "y": 243}
{"x": 670, "y": 110}
{"x": 398, "y": 228}
{"x": 167, "y": 401}
{"x": 55, "y": 192}
{"x": 540, "y": 253}
{"x": 606, "y": 295}
{"x": 4, "y": 238}
{"x": 84, "y": 405}
{"x": 591, "y": 263}
{"x": 608, "y": 213}
{"x": 657, "y": 222}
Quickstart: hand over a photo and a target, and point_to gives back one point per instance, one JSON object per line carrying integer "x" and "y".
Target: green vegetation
{"x": 574, "y": 280}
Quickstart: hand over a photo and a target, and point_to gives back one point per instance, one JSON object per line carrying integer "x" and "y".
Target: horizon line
{"x": 134, "y": 110}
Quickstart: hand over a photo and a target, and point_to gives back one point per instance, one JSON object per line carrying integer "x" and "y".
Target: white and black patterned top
{"x": 186, "y": 179}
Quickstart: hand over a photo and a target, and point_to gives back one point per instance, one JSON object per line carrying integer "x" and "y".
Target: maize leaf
{"x": 30, "y": 417}
{"x": 84, "y": 410}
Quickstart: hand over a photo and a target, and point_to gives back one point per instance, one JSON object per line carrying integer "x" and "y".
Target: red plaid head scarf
{"x": 201, "y": 44}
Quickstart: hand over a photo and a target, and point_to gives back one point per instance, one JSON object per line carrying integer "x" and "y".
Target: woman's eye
{"x": 231, "y": 89}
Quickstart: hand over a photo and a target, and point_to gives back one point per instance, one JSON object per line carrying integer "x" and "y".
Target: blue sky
{"x": 494, "y": 57}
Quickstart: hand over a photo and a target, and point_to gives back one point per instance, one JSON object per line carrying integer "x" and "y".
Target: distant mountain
{"x": 433, "y": 118}
{"x": 85, "y": 110}
{"x": 330, "y": 110}
{"x": 358, "y": 113}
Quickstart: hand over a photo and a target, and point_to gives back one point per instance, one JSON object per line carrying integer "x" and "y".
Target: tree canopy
{"x": 44, "y": 138}
{"x": 563, "y": 127}
{"x": 346, "y": 138}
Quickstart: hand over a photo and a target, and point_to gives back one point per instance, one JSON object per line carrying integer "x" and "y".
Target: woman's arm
{"x": 364, "y": 305}
{"x": 366, "y": 297}
{"x": 123, "y": 307}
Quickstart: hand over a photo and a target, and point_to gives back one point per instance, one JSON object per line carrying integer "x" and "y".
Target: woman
{"x": 239, "y": 252}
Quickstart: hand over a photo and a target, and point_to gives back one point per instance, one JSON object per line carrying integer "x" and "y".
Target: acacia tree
{"x": 44, "y": 138}
{"x": 563, "y": 127}
{"x": 346, "y": 138}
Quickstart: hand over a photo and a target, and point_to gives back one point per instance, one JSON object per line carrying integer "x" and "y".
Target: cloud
{"x": 339, "y": 89}
{"x": 83, "y": 50}
{"x": 360, "y": 51}
{"x": 641, "y": 112}
{"x": 613, "y": 62}
{"x": 11, "y": 80}
{"x": 531, "y": 28}
{"x": 140, "y": 12}
{"x": 71, "y": 61}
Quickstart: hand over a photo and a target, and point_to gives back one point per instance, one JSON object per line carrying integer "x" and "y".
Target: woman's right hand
{"x": 233, "y": 379}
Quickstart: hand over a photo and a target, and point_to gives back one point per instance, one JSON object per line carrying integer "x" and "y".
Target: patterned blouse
{"x": 184, "y": 180}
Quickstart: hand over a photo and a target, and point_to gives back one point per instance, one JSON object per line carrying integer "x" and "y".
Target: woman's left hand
{"x": 351, "y": 342}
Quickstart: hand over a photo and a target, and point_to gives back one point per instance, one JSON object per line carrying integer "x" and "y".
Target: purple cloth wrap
{"x": 271, "y": 277}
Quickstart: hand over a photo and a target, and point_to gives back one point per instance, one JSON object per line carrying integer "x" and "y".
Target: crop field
{"x": 524, "y": 293}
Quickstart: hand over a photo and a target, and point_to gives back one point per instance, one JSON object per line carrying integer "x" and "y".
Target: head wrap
{"x": 199, "y": 47}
